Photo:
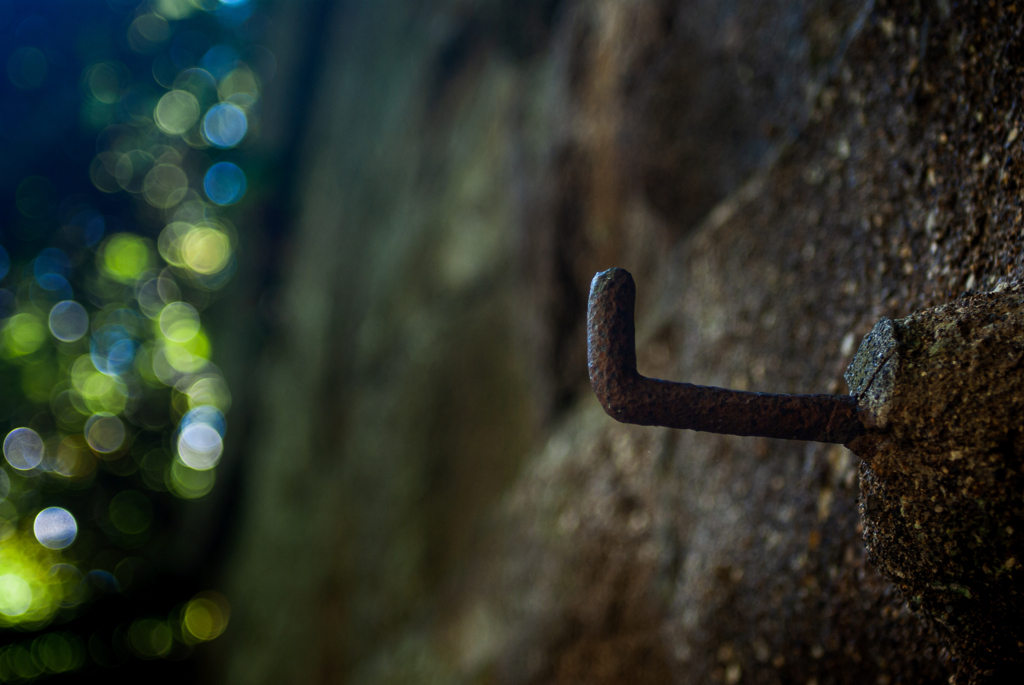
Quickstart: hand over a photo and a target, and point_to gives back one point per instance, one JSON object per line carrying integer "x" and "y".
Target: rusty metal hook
{"x": 631, "y": 398}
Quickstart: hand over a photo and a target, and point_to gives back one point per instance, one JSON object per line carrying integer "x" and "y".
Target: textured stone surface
{"x": 872, "y": 372}
{"x": 942, "y": 482}
{"x": 433, "y": 494}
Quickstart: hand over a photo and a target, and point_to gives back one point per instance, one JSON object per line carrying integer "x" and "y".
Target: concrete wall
{"x": 433, "y": 494}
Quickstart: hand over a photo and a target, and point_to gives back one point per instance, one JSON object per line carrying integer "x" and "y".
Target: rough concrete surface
{"x": 434, "y": 496}
{"x": 941, "y": 480}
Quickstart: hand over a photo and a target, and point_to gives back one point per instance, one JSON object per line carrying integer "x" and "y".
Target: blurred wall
{"x": 431, "y": 493}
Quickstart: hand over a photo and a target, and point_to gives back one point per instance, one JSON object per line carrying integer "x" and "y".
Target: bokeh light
{"x": 206, "y": 250}
{"x": 105, "y": 82}
{"x": 102, "y": 171}
{"x": 112, "y": 350}
{"x": 55, "y": 528}
{"x": 51, "y": 287}
{"x": 206, "y": 414}
{"x": 179, "y": 322}
{"x": 23, "y": 334}
{"x": 94, "y": 390}
{"x": 58, "y": 652}
{"x": 175, "y": 9}
{"x": 200, "y": 446}
{"x": 15, "y": 595}
{"x": 105, "y": 433}
{"x": 73, "y": 458}
{"x": 189, "y": 483}
{"x": 225, "y": 125}
{"x": 51, "y": 261}
{"x": 165, "y": 185}
{"x": 28, "y": 592}
{"x": 176, "y": 112}
{"x": 206, "y": 616}
{"x": 131, "y": 169}
{"x": 187, "y": 357}
{"x": 225, "y": 183}
{"x": 150, "y": 638}
{"x": 240, "y": 87}
{"x": 209, "y": 391}
{"x": 23, "y": 449}
{"x": 219, "y": 60}
{"x": 201, "y": 84}
{"x": 113, "y": 406}
{"x": 87, "y": 227}
{"x": 71, "y": 581}
{"x": 148, "y": 32}
{"x": 124, "y": 257}
{"x": 68, "y": 321}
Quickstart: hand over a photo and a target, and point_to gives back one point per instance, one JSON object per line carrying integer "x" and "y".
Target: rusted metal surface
{"x": 631, "y": 398}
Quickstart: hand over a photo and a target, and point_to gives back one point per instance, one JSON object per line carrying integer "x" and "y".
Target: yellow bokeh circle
{"x": 176, "y": 112}
{"x": 23, "y": 334}
{"x": 29, "y": 593}
{"x": 179, "y": 322}
{"x": 206, "y": 250}
{"x": 188, "y": 483}
{"x": 124, "y": 257}
{"x": 206, "y": 616}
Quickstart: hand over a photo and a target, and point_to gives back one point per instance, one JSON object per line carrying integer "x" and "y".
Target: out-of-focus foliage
{"x": 123, "y": 144}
